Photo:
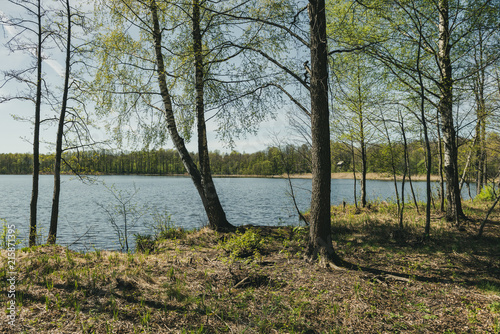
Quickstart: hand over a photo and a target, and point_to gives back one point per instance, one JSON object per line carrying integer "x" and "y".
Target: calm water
{"x": 84, "y": 224}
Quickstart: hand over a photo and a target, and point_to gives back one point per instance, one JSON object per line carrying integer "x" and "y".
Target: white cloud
{"x": 54, "y": 64}
{"x": 11, "y": 31}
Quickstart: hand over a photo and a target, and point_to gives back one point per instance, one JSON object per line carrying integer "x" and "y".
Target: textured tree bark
{"x": 441, "y": 164}
{"x": 362, "y": 142}
{"x": 445, "y": 108}
{"x": 320, "y": 240}
{"x": 363, "y": 167}
{"x": 51, "y": 239}
{"x": 354, "y": 175}
{"x": 428, "y": 151}
{"x": 208, "y": 203}
{"x": 480, "y": 137}
{"x": 36, "y": 135}
{"x": 479, "y": 84}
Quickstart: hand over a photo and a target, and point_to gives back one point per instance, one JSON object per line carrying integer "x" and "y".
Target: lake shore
{"x": 339, "y": 176}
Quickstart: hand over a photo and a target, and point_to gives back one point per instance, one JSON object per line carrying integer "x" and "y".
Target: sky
{"x": 16, "y": 136}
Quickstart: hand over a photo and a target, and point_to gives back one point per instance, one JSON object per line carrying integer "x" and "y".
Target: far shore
{"x": 338, "y": 176}
{"x": 342, "y": 176}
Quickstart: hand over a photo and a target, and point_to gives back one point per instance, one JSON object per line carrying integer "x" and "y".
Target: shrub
{"x": 163, "y": 228}
{"x": 243, "y": 245}
{"x": 486, "y": 194}
{"x": 144, "y": 243}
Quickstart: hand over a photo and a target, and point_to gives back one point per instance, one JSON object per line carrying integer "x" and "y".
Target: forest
{"x": 274, "y": 161}
{"x": 398, "y": 87}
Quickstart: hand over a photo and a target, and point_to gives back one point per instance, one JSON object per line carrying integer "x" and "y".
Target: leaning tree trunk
{"x": 60, "y": 130}
{"x": 320, "y": 239}
{"x": 36, "y": 136}
{"x": 445, "y": 108}
{"x": 215, "y": 212}
{"x": 174, "y": 134}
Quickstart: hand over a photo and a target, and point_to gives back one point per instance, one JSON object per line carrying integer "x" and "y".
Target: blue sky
{"x": 16, "y": 135}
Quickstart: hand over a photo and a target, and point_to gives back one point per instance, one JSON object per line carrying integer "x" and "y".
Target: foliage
{"x": 487, "y": 194}
{"x": 243, "y": 245}
{"x": 266, "y": 162}
{"x": 123, "y": 214}
{"x": 144, "y": 243}
{"x": 163, "y": 228}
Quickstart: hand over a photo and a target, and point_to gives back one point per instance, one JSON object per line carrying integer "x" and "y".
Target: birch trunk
{"x": 445, "y": 108}
{"x": 209, "y": 204}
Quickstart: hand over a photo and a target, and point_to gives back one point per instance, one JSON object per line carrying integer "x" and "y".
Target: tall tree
{"x": 70, "y": 119}
{"x": 427, "y": 25}
{"x": 445, "y": 108}
{"x": 51, "y": 239}
{"x": 215, "y": 213}
{"x": 36, "y": 132}
{"x": 358, "y": 92}
{"x": 30, "y": 37}
{"x": 320, "y": 238}
{"x": 151, "y": 22}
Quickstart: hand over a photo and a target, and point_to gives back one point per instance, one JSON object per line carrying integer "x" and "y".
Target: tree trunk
{"x": 479, "y": 83}
{"x": 441, "y": 164}
{"x": 362, "y": 142}
{"x": 363, "y": 161}
{"x": 178, "y": 141}
{"x": 428, "y": 151}
{"x": 320, "y": 239}
{"x": 36, "y": 135}
{"x": 215, "y": 212}
{"x": 483, "y": 224}
{"x": 445, "y": 108}
{"x": 60, "y": 131}
{"x": 354, "y": 175}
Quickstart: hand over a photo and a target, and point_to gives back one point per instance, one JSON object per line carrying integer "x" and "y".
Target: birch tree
{"x": 147, "y": 47}
{"x": 31, "y": 34}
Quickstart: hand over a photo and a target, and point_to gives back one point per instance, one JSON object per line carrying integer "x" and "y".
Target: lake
{"x": 85, "y": 225}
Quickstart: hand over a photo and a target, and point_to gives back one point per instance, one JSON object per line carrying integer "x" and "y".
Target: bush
{"x": 163, "y": 228}
{"x": 243, "y": 245}
{"x": 487, "y": 194}
{"x": 144, "y": 243}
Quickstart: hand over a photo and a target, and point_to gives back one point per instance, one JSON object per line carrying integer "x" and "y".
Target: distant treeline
{"x": 272, "y": 161}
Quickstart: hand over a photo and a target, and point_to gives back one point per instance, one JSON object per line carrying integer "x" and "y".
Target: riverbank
{"x": 256, "y": 281}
